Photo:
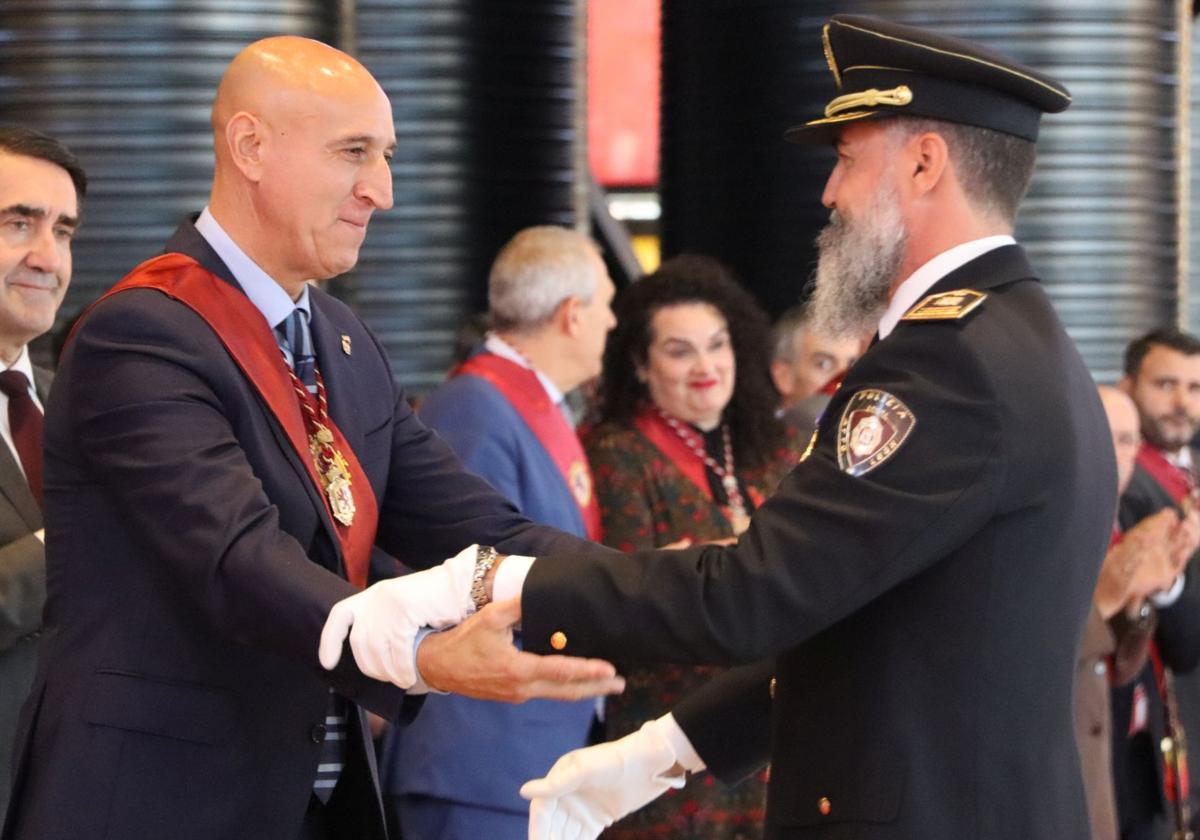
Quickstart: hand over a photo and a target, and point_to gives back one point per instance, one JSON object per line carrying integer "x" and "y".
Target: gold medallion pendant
{"x": 334, "y": 474}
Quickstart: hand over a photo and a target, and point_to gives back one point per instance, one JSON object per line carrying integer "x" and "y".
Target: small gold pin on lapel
{"x": 346, "y": 344}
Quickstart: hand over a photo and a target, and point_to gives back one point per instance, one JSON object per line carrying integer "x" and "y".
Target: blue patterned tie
{"x": 296, "y": 343}
{"x": 298, "y": 346}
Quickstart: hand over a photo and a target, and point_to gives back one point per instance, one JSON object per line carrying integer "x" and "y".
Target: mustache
{"x": 1179, "y": 414}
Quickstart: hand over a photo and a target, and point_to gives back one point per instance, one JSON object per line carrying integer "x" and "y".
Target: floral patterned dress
{"x": 646, "y": 501}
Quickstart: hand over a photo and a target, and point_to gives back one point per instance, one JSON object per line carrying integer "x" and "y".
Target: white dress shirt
{"x": 268, "y": 296}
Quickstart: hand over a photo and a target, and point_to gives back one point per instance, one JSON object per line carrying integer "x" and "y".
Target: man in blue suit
{"x": 449, "y": 775}
{"x": 224, "y": 447}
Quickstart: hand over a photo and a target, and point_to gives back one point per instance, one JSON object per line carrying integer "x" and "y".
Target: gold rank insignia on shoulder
{"x": 808, "y": 450}
{"x": 946, "y": 306}
{"x": 874, "y": 425}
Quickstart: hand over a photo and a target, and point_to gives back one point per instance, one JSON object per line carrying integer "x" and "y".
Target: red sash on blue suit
{"x": 524, "y": 392}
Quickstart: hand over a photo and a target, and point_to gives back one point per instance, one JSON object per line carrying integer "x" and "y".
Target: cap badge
{"x": 874, "y": 425}
{"x": 946, "y": 306}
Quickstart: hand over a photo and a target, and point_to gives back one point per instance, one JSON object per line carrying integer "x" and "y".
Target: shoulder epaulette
{"x": 946, "y": 306}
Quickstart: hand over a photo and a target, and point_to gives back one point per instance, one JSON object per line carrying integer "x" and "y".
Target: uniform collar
{"x": 925, "y": 277}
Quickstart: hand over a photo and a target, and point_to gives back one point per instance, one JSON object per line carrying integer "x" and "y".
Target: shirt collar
{"x": 495, "y": 344}
{"x": 25, "y": 365}
{"x": 267, "y": 296}
{"x": 1181, "y": 458}
{"x": 924, "y": 278}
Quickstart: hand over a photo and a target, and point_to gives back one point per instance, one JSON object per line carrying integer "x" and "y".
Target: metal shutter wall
{"x": 487, "y": 99}
{"x": 128, "y": 86}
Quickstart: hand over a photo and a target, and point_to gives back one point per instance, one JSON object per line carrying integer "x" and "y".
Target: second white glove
{"x": 589, "y": 789}
{"x": 382, "y": 621}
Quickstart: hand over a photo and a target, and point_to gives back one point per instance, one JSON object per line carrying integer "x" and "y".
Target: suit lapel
{"x": 187, "y": 240}
{"x": 333, "y": 362}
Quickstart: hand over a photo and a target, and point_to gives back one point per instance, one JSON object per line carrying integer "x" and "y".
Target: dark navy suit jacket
{"x": 190, "y": 568}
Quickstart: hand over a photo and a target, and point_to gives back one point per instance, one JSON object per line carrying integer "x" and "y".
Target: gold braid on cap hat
{"x": 869, "y": 99}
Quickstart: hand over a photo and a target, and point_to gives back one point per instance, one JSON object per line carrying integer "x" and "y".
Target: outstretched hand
{"x": 478, "y": 659}
{"x": 589, "y": 789}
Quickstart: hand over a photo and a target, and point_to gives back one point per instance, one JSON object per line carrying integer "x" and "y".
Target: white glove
{"x": 589, "y": 789}
{"x": 382, "y": 620}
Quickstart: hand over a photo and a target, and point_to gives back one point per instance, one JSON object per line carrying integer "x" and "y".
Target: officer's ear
{"x": 1125, "y": 384}
{"x": 928, "y": 157}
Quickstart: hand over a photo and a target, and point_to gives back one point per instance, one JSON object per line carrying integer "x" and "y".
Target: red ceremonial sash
{"x": 250, "y": 341}
{"x": 1176, "y": 481}
{"x": 650, "y": 423}
{"x": 525, "y": 393}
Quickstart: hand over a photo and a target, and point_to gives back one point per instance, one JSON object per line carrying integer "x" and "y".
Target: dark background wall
{"x": 489, "y": 102}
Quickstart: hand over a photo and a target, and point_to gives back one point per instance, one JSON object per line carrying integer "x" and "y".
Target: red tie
{"x": 25, "y": 422}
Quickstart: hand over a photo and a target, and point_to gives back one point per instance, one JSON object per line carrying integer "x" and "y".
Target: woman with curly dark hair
{"x": 688, "y": 445}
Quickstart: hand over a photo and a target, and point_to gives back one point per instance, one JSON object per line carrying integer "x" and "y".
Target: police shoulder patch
{"x": 874, "y": 425}
{"x": 946, "y": 306}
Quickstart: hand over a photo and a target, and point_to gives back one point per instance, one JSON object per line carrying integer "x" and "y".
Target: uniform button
{"x": 824, "y": 806}
{"x": 317, "y": 733}
{"x": 771, "y": 687}
{"x": 1100, "y": 668}
{"x": 558, "y": 640}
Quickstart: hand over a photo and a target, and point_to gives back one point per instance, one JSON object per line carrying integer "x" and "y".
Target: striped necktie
{"x": 297, "y": 345}
{"x": 295, "y": 339}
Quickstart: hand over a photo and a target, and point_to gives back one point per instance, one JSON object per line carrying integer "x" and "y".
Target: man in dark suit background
{"x": 924, "y": 574}
{"x": 224, "y": 447}
{"x": 41, "y": 187}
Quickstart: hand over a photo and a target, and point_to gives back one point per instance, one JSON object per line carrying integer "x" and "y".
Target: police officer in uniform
{"x": 916, "y": 589}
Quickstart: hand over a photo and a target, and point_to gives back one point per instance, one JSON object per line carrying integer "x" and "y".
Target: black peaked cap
{"x": 882, "y": 69}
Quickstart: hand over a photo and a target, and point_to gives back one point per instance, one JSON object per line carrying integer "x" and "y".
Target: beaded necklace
{"x": 739, "y": 517}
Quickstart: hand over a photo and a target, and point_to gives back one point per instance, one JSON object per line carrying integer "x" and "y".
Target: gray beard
{"x": 856, "y": 266}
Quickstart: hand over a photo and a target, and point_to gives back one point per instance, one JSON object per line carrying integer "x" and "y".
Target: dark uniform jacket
{"x": 925, "y": 615}
{"x": 190, "y": 569}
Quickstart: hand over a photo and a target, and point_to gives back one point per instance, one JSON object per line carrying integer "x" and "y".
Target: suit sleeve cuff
{"x": 420, "y": 686}
{"x": 510, "y": 577}
{"x": 685, "y": 753}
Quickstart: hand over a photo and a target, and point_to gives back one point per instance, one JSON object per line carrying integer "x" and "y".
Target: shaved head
{"x": 303, "y": 137}
{"x": 286, "y": 72}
